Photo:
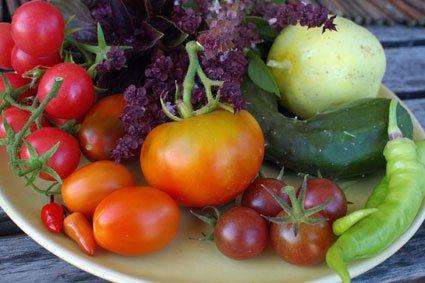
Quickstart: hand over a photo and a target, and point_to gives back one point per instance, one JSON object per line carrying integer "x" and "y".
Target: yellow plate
{"x": 185, "y": 260}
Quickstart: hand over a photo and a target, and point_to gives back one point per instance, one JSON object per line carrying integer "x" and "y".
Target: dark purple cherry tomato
{"x": 319, "y": 191}
{"x": 101, "y": 128}
{"x": 308, "y": 247}
{"x": 241, "y": 233}
{"x": 257, "y": 198}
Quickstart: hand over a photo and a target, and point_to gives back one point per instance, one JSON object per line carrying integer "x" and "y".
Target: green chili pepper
{"x": 397, "y": 204}
{"x": 378, "y": 194}
{"x": 344, "y": 223}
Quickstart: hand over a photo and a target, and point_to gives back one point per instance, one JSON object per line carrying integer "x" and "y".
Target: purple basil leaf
{"x": 173, "y": 35}
{"x": 83, "y": 19}
{"x": 146, "y": 37}
{"x": 122, "y": 19}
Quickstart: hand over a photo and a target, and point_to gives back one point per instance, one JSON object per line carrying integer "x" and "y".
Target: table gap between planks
{"x": 23, "y": 260}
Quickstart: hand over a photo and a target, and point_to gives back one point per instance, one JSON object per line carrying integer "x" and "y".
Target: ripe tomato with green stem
{"x": 17, "y": 81}
{"x": 17, "y": 118}
{"x": 300, "y": 236}
{"x": 66, "y": 158}
{"x": 76, "y": 95}
{"x": 208, "y": 157}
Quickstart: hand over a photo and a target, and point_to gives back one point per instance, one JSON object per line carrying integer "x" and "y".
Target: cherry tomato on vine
{"x": 17, "y": 81}
{"x": 76, "y": 94}
{"x": 23, "y": 62}
{"x": 6, "y": 46}
{"x": 308, "y": 247}
{"x": 17, "y": 118}
{"x": 38, "y": 28}
{"x": 320, "y": 190}
{"x": 66, "y": 158}
{"x": 86, "y": 187}
{"x": 52, "y": 216}
{"x": 136, "y": 221}
{"x": 204, "y": 160}
{"x": 241, "y": 233}
{"x": 257, "y": 198}
{"x": 101, "y": 128}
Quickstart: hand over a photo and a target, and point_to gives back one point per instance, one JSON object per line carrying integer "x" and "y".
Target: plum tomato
{"x": 76, "y": 94}
{"x": 38, "y": 28}
{"x": 257, "y": 198}
{"x": 66, "y": 158}
{"x": 101, "y": 128}
{"x": 17, "y": 118}
{"x": 6, "y": 46}
{"x": 241, "y": 233}
{"x": 23, "y": 62}
{"x": 320, "y": 190}
{"x": 204, "y": 160}
{"x": 17, "y": 81}
{"x": 308, "y": 247}
{"x": 136, "y": 221}
{"x": 86, "y": 187}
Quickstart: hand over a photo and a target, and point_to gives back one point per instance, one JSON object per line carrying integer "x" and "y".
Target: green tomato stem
{"x": 184, "y": 106}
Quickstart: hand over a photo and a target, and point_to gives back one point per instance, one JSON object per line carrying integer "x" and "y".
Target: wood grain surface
{"x": 23, "y": 260}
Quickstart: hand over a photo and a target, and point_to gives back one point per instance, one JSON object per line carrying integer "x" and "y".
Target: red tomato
{"x": 76, "y": 94}
{"x": 241, "y": 233}
{"x": 38, "y": 28}
{"x": 86, "y": 187}
{"x": 308, "y": 247}
{"x": 23, "y": 62}
{"x": 319, "y": 191}
{"x": 17, "y": 118}
{"x": 66, "y": 158}
{"x": 257, "y": 198}
{"x": 205, "y": 160}
{"x": 102, "y": 128}
{"x": 17, "y": 81}
{"x": 136, "y": 221}
{"x": 6, "y": 45}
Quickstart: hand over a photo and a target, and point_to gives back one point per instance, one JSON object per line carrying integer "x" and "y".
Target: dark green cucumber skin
{"x": 342, "y": 143}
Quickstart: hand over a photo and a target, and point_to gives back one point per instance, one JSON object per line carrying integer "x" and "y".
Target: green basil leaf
{"x": 263, "y": 27}
{"x": 260, "y": 74}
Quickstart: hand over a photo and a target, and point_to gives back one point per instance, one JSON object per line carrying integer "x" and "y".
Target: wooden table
{"x": 23, "y": 260}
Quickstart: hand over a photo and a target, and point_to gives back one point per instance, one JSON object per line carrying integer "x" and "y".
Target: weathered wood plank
{"x": 398, "y": 34}
{"x": 32, "y": 261}
{"x": 23, "y": 260}
{"x": 405, "y": 70}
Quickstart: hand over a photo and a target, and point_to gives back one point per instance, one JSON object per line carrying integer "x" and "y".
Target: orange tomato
{"x": 136, "y": 221}
{"x": 205, "y": 160}
{"x": 86, "y": 187}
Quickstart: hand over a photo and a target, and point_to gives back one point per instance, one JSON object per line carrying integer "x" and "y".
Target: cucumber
{"x": 347, "y": 141}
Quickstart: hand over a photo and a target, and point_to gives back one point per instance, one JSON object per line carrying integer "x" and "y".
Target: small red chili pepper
{"x": 52, "y": 216}
{"x": 78, "y": 228}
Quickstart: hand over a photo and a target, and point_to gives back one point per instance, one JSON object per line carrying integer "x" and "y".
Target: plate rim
{"x": 85, "y": 263}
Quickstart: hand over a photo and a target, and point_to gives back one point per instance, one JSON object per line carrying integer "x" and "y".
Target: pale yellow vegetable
{"x": 316, "y": 71}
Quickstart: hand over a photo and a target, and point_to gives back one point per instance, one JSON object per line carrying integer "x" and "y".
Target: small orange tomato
{"x": 204, "y": 160}
{"x": 101, "y": 128}
{"x": 136, "y": 221}
{"x": 86, "y": 187}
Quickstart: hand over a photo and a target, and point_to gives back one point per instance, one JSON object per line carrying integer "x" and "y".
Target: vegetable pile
{"x": 184, "y": 86}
